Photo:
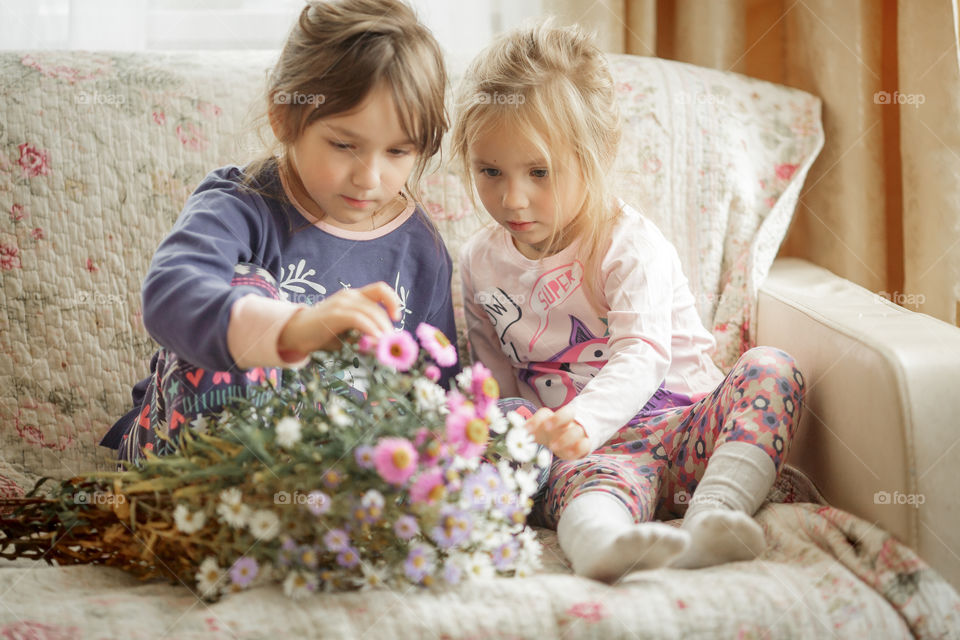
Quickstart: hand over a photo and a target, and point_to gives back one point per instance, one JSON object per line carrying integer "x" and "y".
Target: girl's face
{"x": 351, "y": 166}
{"x": 517, "y": 191}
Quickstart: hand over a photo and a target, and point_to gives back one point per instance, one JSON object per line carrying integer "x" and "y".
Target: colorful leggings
{"x": 654, "y": 463}
{"x": 181, "y": 395}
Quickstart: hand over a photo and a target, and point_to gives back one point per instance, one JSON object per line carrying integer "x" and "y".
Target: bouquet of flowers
{"x": 315, "y": 485}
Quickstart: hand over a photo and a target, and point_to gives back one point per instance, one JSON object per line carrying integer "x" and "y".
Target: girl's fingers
{"x": 535, "y": 426}
{"x": 382, "y": 293}
{"x": 572, "y": 441}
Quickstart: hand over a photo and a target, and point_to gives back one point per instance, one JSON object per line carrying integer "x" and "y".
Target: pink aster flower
{"x": 437, "y": 345}
{"x": 367, "y": 344}
{"x": 467, "y": 432}
{"x": 428, "y": 487}
{"x": 455, "y": 400}
{"x": 397, "y": 350}
{"x": 395, "y": 459}
{"x": 483, "y": 384}
{"x": 432, "y": 372}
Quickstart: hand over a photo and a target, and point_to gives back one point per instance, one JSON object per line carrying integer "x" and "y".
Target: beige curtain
{"x": 881, "y": 206}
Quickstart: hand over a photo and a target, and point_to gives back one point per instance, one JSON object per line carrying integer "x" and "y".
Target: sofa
{"x": 98, "y": 152}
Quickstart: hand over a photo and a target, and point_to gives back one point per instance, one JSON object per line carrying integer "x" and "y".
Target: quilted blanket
{"x": 825, "y": 573}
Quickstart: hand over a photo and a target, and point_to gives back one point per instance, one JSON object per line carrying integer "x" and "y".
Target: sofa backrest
{"x": 99, "y": 151}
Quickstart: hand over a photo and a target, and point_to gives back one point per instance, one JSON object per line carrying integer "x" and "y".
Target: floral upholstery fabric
{"x": 98, "y": 153}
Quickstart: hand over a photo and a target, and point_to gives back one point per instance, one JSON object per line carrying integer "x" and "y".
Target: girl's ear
{"x": 278, "y": 121}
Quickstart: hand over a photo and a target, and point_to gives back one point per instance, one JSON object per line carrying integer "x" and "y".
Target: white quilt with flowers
{"x": 825, "y": 574}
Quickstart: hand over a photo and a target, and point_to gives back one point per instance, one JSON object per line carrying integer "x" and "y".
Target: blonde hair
{"x": 553, "y": 85}
{"x": 336, "y": 53}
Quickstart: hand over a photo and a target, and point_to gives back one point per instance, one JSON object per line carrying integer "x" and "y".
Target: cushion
{"x": 98, "y": 152}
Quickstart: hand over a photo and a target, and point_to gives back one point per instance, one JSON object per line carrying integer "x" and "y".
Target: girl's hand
{"x": 319, "y": 326}
{"x": 559, "y": 432}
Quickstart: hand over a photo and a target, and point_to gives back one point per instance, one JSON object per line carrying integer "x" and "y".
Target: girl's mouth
{"x": 520, "y": 226}
{"x": 356, "y": 204}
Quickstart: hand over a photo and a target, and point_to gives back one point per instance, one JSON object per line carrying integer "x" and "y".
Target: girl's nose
{"x": 366, "y": 174}
{"x": 514, "y": 198}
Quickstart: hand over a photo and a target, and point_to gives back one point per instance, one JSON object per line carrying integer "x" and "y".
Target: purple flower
{"x": 406, "y": 527}
{"x": 453, "y": 528}
{"x": 452, "y": 573}
{"x": 336, "y": 540}
{"x": 417, "y": 565}
{"x": 244, "y": 571}
{"x": 318, "y": 502}
{"x": 364, "y": 456}
{"x": 348, "y": 558}
{"x": 505, "y": 555}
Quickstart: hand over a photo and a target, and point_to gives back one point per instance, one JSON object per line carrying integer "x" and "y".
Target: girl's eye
{"x": 339, "y": 145}
{"x": 399, "y": 152}
{"x": 490, "y": 173}
{"x": 539, "y": 173}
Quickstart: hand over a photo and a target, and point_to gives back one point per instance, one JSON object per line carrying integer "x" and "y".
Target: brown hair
{"x": 552, "y": 84}
{"x": 336, "y": 53}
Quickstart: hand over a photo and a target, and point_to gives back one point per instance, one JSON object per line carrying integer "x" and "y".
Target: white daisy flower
{"x": 372, "y": 578}
{"x": 200, "y": 424}
{"x": 372, "y": 498}
{"x": 479, "y": 565}
{"x": 515, "y": 419}
{"x": 465, "y": 379}
{"x": 337, "y": 413}
{"x": 264, "y": 524}
{"x": 520, "y": 445}
{"x": 544, "y": 458}
{"x": 236, "y": 515}
{"x": 498, "y": 424}
{"x": 507, "y": 473}
{"x": 429, "y": 396}
{"x": 231, "y": 496}
{"x": 530, "y": 554}
{"x": 526, "y": 481}
{"x": 209, "y": 577}
{"x": 299, "y": 585}
{"x": 459, "y": 463}
{"x": 188, "y": 522}
{"x": 288, "y": 432}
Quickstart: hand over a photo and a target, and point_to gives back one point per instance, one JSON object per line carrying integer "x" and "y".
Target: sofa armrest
{"x": 881, "y": 423}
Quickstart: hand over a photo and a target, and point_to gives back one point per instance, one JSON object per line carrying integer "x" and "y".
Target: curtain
{"x": 881, "y": 206}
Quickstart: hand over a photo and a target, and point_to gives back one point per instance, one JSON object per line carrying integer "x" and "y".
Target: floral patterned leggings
{"x": 654, "y": 463}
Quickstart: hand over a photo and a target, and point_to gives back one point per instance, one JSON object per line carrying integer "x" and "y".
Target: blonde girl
{"x": 273, "y": 260}
{"x": 578, "y": 304}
